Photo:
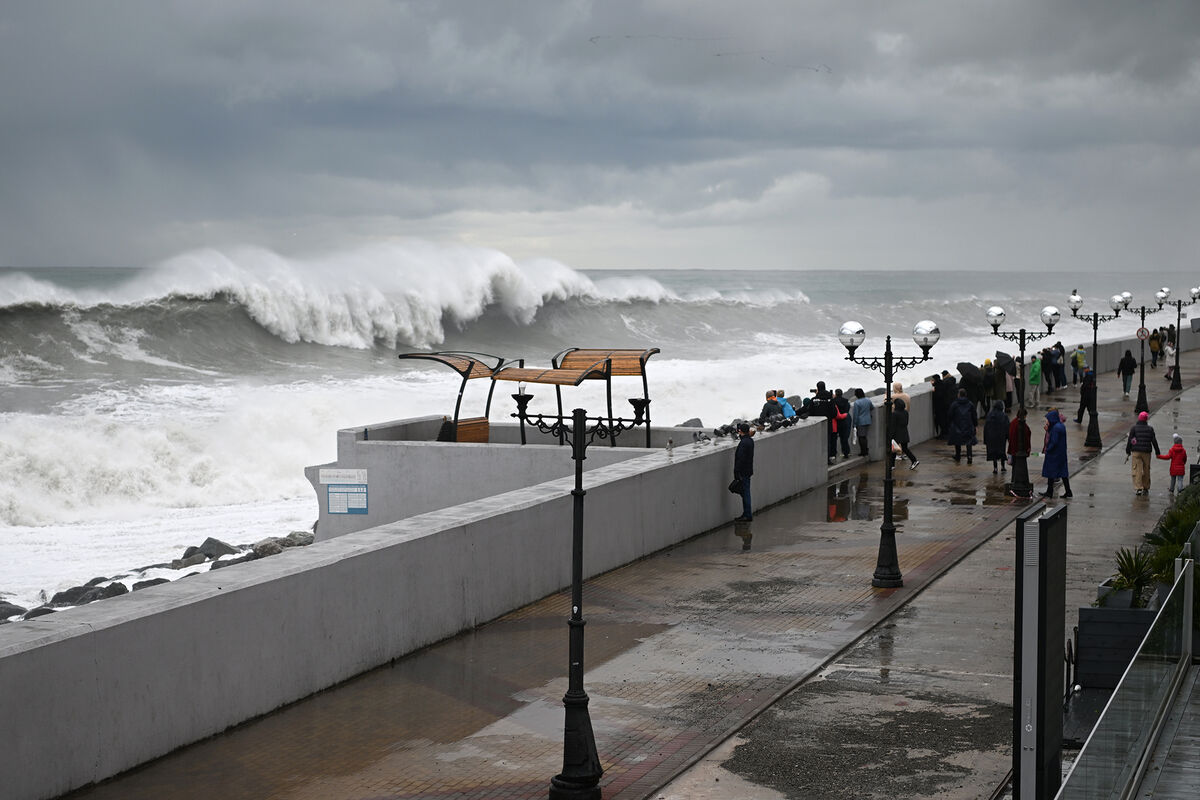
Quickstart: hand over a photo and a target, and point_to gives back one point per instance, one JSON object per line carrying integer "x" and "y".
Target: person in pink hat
{"x": 1138, "y": 445}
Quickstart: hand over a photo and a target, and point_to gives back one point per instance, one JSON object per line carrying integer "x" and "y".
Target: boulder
{"x": 694, "y": 422}
{"x": 229, "y": 562}
{"x": 151, "y": 582}
{"x": 191, "y": 561}
{"x": 215, "y": 548}
{"x": 103, "y": 593}
{"x": 10, "y": 610}
{"x": 95, "y": 581}
{"x": 191, "y": 551}
{"x": 297, "y": 539}
{"x": 267, "y": 547}
{"x": 40, "y": 611}
{"x": 69, "y": 597}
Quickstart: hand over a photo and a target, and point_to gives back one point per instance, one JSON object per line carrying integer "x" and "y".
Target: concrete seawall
{"x": 89, "y": 692}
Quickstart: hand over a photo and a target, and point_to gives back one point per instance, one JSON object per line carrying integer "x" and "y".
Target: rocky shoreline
{"x": 209, "y": 555}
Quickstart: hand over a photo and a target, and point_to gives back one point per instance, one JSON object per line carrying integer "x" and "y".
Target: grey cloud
{"x": 139, "y": 129}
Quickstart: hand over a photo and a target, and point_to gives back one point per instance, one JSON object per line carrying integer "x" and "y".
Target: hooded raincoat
{"x": 1054, "y": 459}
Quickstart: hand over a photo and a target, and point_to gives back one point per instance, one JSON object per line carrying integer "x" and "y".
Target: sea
{"x": 143, "y": 409}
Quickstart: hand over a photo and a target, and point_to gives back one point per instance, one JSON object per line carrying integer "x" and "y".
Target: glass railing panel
{"x": 1111, "y": 754}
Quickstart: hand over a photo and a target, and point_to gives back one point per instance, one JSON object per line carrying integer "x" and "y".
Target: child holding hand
{"x": 1178, "y": 458}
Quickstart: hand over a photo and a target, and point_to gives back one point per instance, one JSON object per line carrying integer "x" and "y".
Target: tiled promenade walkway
{"x": 682, "y": 648}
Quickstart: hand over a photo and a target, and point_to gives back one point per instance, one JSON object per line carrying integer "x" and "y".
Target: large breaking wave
{"x": 410, "y": 294}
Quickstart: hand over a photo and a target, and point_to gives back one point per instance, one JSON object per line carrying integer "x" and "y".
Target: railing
{"x": 1114, "y": 757}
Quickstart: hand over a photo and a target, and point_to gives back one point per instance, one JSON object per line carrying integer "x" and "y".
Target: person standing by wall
{"x": 1050, "y": 369}
{"x": 841, "y": 419}
{"x": 823, "y": 405}
{"x": 1020, "y": 439}
{"x": 962, "y": 422}
{"x": 743, "y": 468}
{"x": 995, "y": 437}
{"x": 1125, "y": 369}
{"x": 1035, "y": 380}
{"x": 1138, "y": 444}
{"x": 1087, "y": 396}
{"x": 898, "y": 393}
{"x": 1054, "y": 455}
{"x": 1169, "y": 359}
{"x": 862, "y": 411}
{"x": 1078, "y": 364}
{"x": 899, "y": 433}
{"x": 1060, "y": 366}
{"x": 1178, "y": 458}
{"x": 1154, "y": 344}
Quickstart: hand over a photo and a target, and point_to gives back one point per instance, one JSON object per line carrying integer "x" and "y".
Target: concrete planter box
{"x": 1109, "y": 597}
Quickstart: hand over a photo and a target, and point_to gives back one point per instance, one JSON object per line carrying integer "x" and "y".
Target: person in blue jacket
{"x": 861, "y": 414}
{"x": 788, "y": 411}
{"x": 1054, "y": 455}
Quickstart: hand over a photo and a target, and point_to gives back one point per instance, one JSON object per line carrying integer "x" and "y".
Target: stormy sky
{"x": 974, "y": 135}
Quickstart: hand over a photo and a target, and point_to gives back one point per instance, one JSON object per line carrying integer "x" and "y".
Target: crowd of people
{"x": 989, "y": 391}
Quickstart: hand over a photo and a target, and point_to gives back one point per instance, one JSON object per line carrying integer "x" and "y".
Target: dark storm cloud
{"x": 779, "y": 134}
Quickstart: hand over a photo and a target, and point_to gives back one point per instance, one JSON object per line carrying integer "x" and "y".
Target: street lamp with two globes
{"x": 852, "y": 334}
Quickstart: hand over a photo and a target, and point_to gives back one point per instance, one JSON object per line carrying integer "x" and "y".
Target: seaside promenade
{"x": 716, "y": 671}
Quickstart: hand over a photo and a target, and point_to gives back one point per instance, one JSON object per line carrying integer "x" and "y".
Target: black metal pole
{"x": 887, "y": 564}
{"x": 1093, "y": 431}
{"x": 1141, "y": 404}
{"x": 581, "y": 770}
{"x": 1176, "y": 381}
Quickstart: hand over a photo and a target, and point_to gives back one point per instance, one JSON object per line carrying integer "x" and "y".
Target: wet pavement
{"x": 807, "y": 681}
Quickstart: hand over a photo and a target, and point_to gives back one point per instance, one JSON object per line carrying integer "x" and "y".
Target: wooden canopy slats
{"x": 468, "y": 365}
{"x": 554, "y": 377}
{"x": 623, "y": 362}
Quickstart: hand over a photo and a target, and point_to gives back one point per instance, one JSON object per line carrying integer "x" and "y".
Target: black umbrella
{"x": 969, "y": 370}
{"x": 1005, "y": 362}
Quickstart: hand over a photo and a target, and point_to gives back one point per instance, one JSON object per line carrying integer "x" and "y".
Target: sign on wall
{"x": 345, "y": 490}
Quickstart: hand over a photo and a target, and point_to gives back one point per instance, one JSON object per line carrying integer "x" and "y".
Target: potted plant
{"x": 1133, "y": 577}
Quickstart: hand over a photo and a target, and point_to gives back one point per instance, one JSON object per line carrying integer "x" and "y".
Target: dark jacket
{"x": 1054, "y": 459}
{"x": 1128, "y": 364}
{"x": 743, "y": 458}
{"x": 995, "y": 431}
{"x": 961, "y": 422}
{"x": 1141, "y": 439}
{"x": 770, "y": 409}
{"x": 1087, "y": 395}
{"x": 899, "y": 423}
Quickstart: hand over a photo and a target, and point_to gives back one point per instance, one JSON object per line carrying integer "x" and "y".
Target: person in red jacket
{"x": 1178, "y": 458}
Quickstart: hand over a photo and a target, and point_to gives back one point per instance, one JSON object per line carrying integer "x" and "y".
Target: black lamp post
{"x": 925, "y": 334}
{"x": 1126, "y": 298}
{"x": 581, "y": 772}
{"x": 1116, "y": 303}
{"x": 996, "y": 316}
{"x": 1176, "y": 381}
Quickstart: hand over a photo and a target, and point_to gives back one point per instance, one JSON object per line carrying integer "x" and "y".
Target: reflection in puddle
{"x": 849, "y": 499}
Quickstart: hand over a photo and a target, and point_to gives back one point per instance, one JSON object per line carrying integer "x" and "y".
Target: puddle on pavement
{"x": 962, "y": 493}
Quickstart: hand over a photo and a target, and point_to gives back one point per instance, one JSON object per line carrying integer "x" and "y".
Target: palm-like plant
{"x": 1135, "y": 573}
